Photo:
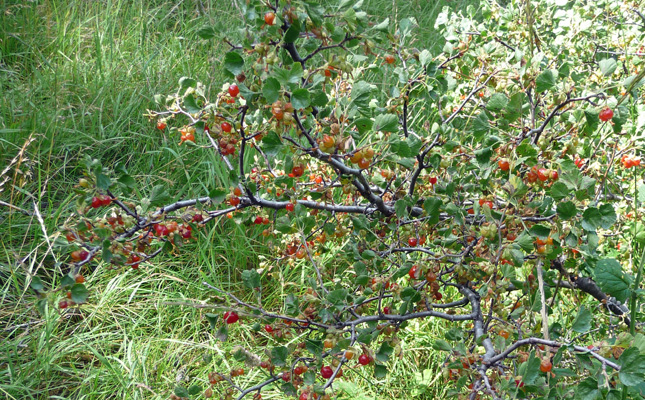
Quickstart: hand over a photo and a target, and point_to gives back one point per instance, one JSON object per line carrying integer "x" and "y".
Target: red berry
{"x": 543, "y": 174}
{"x": 233, "y": 90}
{"x": 268, "y": 328}
{"x": 70, "y": 237}
{"x": 433, "y": 180}
{"x": 161, "y": 125}
{"x": 414, "y": 272}
{"x": 234, "y": 201}
{"x": 606, "y": 114}
{"x": 258, "y": 220}
{"x": 386, "y": 310}
{"x": 364, "y": 359}
{"x": 532, "y": 176}
{"x": 231, "y": 317}
{"x": 290, "y": 207}
{"x": 96, "y": 202}
{"x": 554, "y": 175}
{"x": 297, "y": 171}
{"x": 269, "y": 18}
{"x": 503, "y": 165}
{"x": 226, "y": 127}
{"x": 412, "y": 242}
{"x": 326, "y": 372}
{"x": 63, "y": 304}
{"x": 198, "y": 218}
{"x": 286, "y": 376}
{"x": 390, "y": 59}
{"x": 79, "y": 279}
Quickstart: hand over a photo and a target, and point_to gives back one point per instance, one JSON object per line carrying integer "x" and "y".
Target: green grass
{"x": 77, "y": 77}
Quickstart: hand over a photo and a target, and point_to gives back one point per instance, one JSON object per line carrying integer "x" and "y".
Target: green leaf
{"x": 361, "y": 94}
{"x": 441, "y": 344}
{"x": 432, "y": 206}
{"x": 383, "y": 26}
{"x": 582, "y": 322}
{"x": 186, "y": 82}
{"x": 481, "y": 126}
{"x": 608, "y": 216}
{"x": 588, "y": 390}
{"x": 79, "y": 293}
{"x": 251, "y": 278}
{"x": 212, "y": 319}
{"x": 483, "y": 156}
{"x": 545, "y": 81}
{"x": 384, "y": 353}
{"x": 102, "y": 181}
{"x": 632, "y": 367}
{"x": 540, "y": 231}
{"x": 559, "y": 191}
{"x": 338, "y": 298}
{"x": 497, "y": 102}
{"x": 567, "y": 210}
{"x": 271, "y": 89}
{"x": 37, "y": 284}
{"x": 191, "y": 104}
{"x": 608, "y": 66}
{"x": 233, "y": 63}
{"x": 106, "y": 253}
{"x": 222, "y": 333}
{"x": 300, "y": 99}
{"x": 194, "y": 390}
{"x": 159, "y": 196}
{"x": 67, "y": 280}
{"x": 271, "y": 144}
{"x": 611, "y": 279}
{"x": 386, "y": 123}
{"x": 181, "y": 391}
{"x": 532, "y": 370}
{"x": 207, "y": 33}
{"x": 127, "y": 181}
{"x": 279, "y": 356}
{"x": 380, "y": 371}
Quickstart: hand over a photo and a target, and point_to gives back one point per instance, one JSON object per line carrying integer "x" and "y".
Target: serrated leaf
{"x": 271, "y": 89}
{"x": 67, "y": 280}
{"x": 481, "y": 126}
{"x": 191, "y": 104}
{"x": 497, "y": 102}
{"x": 102, "y": 181}
{"x": 361, "y": 94}
{"x": 300, "y": 99}
{"x": 233, "y": 63}
{"x": 608, "y": 66}
{"x": 279, "y": 356}
{"x": 271, "y": 144}
{"x": 566, "y": 210}
{"x": 582, "y": 323}
{"x": 545, "y": 81}
{"x": 186, "y": 82}
{"x": 610, "y": 277}
{"x": 532, "y": 370}
{"x": 222, "y": 333}
{"x": 384, "y": 352}
{"x": 194, "y": 390}
{"x": 386, "y": 123}
{"x": 380, "y": 371}
{"x": 540, "y": 231}
{"x": 432, "y": 206}
{"x": 79, "y": 293}
{"x": 251, "y": 278}
{"x": 632, "y": 367}
{"x": 588, "y": 390}
{"x": 441, "y": 344}
{"x": 181, "y": 391}
{"x": 207, "y": 33}
{"x": 159, "y": 196}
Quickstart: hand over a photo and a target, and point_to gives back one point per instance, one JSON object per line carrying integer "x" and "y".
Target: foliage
{"x": 478, "y": 186}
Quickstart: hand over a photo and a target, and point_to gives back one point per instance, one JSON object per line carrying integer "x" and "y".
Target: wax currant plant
{"x": 494, "y": 187}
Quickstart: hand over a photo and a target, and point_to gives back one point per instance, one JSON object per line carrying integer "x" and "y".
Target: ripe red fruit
{"x": 299, "y": 370}
{"x": 546, "y": 366}
{"x": 161, "y": 125}
{"x": 386, "y": 310}
{"x": 70, "y": 237}
{"x": 504, "y": 333}
{"x": 414, "y": 272}
{"x": 198, "y": 218}
{"x": 364, "y": 359}
{"x": 532, "y": 176}
{"x": 106, "y": 200}
{"x": 258, "y": 220}
{"x": 269, "y": 18}
{"x": 268, "y": 328}
{"x": 432, "y": 180}
{"x": 390, "y": 59}
{"x": 286, "y": 376}
{"x": 606, "y": 114}
{"x": 96, "y": 202}
{"x": 234, "y": 201}
{"x": 503, "y": 165}
{"x": 63, "y": 304}
{"x": 554, "y": 175}
{"x": 226, "y": 127}
{"x": 79, "y": 279}
{"x": 431, "y": 277}
{"x": 543, "y": 174}
{"x": 233, "y": 90}
{"x": 412, "y": 242}
{"x": 363, "y": 163}
{"x": 326, "y": 372}
{"x": 290, "y": 207}
{"x": 231, "y": 317}
{"x": 297, "y": 171}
